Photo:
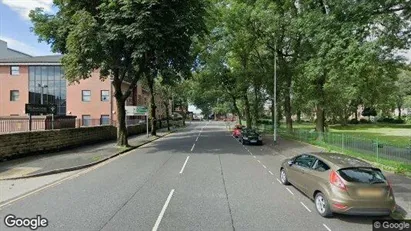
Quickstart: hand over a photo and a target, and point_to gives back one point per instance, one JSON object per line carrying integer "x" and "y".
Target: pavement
{"x": 72, "y": 159}
{"x": 198, "y": 178}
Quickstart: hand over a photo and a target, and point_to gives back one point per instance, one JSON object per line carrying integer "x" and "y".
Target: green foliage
{"x": 124, "y": 39}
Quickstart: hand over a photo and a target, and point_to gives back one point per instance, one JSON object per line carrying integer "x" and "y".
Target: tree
{"x": 171, "y": 55}
{"x": 164, "y": 91}
{"x": 403, "y": 90}
{"x": 124, "y": 39}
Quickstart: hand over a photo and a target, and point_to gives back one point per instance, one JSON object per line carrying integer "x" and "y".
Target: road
{"x": 197, "y": 179}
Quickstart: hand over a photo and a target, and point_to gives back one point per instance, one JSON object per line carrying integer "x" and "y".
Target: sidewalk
{"x": 73, "y": 159}
{"x": 400, "y": 184}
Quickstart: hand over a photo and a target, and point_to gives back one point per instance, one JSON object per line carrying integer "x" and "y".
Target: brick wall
{"x": 30, "y": 143}
{"x": 21, "y": 144}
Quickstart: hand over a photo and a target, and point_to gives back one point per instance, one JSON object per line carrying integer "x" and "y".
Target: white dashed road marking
{"x": 326, "y": 227}
{"x": 192, "y": 148}
{"x": 270, "y": 172}
{"x": 184, "y": 165}
{"x": 264, "y": 166}
{"x": 289, "y": 191}
{"x": 306, "y": 207}
{"x": 279, "y": 181}
{"x": 163, "y": 211}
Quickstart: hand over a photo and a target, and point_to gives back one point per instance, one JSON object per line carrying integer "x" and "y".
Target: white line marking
{"x": 279, "y": 181}
{"x": 289, "y": 191}
{"x": 270, "y": 172}
{"x": 305, "y": 207}
{"x": 163, "y": 211}
{"x": 255, "y": 157}
{"x": 264, "y": 166}
{"x": 259, "y": 161}
{"x": 192, "y": 148}
{"x": 184, "y": 165}
{"x": 197, "y": 139}
{"x": 326, "y": 227}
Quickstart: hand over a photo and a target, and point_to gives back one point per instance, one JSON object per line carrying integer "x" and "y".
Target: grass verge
{"x": 386, "y": 164}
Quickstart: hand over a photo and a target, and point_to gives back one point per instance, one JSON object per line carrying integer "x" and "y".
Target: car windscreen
{"x": 362, "y": 175}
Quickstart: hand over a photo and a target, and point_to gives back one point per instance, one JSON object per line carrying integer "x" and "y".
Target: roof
{"x": 22, "y": 53}
{"x": 44, "y": 60}
{"x": 341, "y": 160}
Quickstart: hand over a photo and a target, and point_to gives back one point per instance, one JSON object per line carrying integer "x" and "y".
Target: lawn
{"x": 395, "y": 134}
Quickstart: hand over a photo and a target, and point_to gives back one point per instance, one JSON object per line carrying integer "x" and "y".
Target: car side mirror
{"x": 290, "y": 162}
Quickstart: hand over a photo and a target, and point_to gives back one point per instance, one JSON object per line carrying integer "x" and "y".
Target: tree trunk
{"x": 122, "y": 135}
{"x": 185, "y": 110}
{"x": 299, "y": 116}
{"x": 152, "y": 108}
{"x": 236, "y": 108}
{"x": 256, "y": 112}
{"x": 320, "y": 121}
{"x": 399, "y": 111}
{"x": 247, "y": 111}
{"x": 356, "y": 115}
{"x": 167, "y": 115}
{"x": 279, "y": 115}
{"x": 288, "y": 113}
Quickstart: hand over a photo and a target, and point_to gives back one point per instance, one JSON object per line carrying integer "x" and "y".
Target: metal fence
{"x": 23, "y": 125}
{"x": 372, "y": 148}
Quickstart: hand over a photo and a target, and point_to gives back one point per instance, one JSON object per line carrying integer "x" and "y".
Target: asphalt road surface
{"x": 200, "y": 178}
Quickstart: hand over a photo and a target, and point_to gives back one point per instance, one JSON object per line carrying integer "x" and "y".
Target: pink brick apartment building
{"x": 41, "y": 80}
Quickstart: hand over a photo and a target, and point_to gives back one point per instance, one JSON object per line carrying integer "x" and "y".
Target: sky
{"x": 15, "y": 25}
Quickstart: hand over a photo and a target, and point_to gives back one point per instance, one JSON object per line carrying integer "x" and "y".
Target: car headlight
{"x": 260, "y": 138}
{"x": 245, "y": 138}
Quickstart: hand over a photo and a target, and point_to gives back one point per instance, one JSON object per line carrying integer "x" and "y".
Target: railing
{"x": 373, "y": 148}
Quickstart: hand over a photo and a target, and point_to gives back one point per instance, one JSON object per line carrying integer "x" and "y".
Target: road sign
{"x": 37, "y": 109}
{"x": 136, "y": 111}
{"x": 142, "y": 110}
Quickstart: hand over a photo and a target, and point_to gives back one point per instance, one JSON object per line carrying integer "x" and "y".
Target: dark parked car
{"x": 339, "y": 184}
{"x": 250, "y": 136}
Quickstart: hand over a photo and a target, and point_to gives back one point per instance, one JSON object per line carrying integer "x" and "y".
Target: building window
{"x": 14, "y": 70}
{"x": 105, "y": 95}
{"x": 14, "y": 95}
{"x": 105, "y": 120}
{"x": 86, "y": 120}
{"x": 86, "y": 95}
{"x": 55, "y": 93}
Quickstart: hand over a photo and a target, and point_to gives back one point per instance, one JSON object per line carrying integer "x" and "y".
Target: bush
{"x": 391, "y": 120}
{"x": 364, "y": 121}
{"x": 353, "y": 121}
{"x": 266, "y": 122}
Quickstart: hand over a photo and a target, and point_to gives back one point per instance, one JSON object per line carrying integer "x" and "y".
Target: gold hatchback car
{"x": 339, "y": 184}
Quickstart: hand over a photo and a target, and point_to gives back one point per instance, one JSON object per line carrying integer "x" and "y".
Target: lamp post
{"x": 111, "y": 101}
{"x": 42, "y": 86}
{"x": 275, "y": 93}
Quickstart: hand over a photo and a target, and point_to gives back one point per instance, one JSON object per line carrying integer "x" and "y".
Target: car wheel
{"x": 322, "y": 205}
{"x": 283, "y": 177}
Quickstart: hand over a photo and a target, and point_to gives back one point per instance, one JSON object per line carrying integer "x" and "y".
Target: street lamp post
{"x": 42, "y": 86}
{"x": 275, "y": 93}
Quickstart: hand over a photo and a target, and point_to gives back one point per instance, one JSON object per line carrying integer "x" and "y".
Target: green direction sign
{"x": 141, "y": 110}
